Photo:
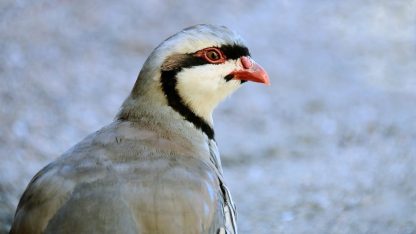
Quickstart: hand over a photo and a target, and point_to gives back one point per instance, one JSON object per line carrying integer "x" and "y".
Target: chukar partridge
{"x": 156, "y": 168}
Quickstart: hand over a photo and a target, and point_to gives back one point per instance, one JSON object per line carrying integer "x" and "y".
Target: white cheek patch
{"x": 203, "y": 87}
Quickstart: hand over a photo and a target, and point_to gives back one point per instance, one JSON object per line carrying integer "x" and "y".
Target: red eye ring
{"x": 212, "y": 55}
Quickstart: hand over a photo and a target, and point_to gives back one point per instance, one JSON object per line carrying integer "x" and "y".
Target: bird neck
{"x": 160, "y": 114}
{"x": 159, "y": 97}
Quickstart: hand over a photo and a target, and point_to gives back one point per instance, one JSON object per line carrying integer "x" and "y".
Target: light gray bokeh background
{"x": 330, "y": 147}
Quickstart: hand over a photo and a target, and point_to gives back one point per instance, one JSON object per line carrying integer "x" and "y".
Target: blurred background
{"x": 330, "y": 147}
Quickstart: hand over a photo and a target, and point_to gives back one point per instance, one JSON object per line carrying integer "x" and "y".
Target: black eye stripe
{"x": 234, "y": 51}
{"x": 192, "y": 61}
{"x": 180, "y": 61}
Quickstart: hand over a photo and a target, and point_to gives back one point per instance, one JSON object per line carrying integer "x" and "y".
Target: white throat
{"x": 202, "y": 88}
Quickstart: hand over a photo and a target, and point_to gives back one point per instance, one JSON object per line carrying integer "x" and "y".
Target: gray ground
{"x": 328, "y": 148}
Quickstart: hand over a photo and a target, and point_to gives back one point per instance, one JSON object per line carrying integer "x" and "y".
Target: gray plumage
{"x": 150, "y": 171}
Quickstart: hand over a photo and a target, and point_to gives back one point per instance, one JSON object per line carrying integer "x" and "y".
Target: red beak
{"x": 251, "y": 72}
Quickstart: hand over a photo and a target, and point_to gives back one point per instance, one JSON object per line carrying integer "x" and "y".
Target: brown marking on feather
{"x": 174, "y": 62}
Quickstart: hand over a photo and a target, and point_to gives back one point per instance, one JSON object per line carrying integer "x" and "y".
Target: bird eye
{"x": 214, "y": 55}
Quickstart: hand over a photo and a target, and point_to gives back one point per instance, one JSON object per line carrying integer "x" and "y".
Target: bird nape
{"x": 156, "y": 168}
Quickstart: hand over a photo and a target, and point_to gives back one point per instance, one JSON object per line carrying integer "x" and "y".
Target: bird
{"x": 156, "y": 168}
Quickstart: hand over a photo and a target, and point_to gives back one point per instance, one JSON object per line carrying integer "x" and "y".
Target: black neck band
{"x": 168, "y": 80}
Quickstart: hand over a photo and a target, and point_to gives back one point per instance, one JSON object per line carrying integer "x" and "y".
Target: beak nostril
{"x": 246, "y": 62}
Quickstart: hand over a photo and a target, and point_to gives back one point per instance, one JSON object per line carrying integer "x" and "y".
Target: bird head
{"x": 195, "y": 69}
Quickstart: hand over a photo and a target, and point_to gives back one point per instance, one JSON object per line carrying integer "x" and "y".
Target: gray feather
{"x": 126, "y": 178}
{"x": 150, "y": 171}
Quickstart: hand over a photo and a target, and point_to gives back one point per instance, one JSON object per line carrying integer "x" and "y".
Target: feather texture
{"x": 152, "y": 170}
